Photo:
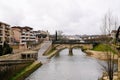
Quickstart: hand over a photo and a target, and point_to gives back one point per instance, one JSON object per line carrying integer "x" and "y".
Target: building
{"x": 16, "y": 34}
{"x": 5, "y": 33}
{"x": 113, "y": 33}
{"x": 24, "y": 36}
{"x": 41, "y": 35}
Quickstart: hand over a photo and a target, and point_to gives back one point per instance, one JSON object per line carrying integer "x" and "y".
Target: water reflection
{"x": 64, "y": 67}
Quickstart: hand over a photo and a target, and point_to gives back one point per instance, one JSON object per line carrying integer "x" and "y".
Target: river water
{"x": 65, "y": 67}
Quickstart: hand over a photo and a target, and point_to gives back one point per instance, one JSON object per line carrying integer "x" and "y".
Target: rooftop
{"x": 4, "y": 23}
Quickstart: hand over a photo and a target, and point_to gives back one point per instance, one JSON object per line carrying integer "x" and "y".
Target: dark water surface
{"x": 64, "y": 67}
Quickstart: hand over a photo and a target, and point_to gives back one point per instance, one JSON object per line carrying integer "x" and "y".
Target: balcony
{"x": 23, "y": 43}
{"x": 1, "y": 43}
{"x": 32, "y": 38}
{"x": 6, "y": 30}
{"x": 7, "y": 34}
{"x": 23, "y": 36}
{"x": 1, "y": 31}
{"x": 23, "y": 39}
{"x": 27, "y": 36}
{"x": 1, "y": 28}
{"x": 7, "y": 27}
{"x": 28, "y": 32}
{"x": 1, "y": 35}
{"x": 27, "y": 39}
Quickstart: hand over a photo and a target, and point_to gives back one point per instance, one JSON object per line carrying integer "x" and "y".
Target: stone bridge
{"x": 71, "y": 46}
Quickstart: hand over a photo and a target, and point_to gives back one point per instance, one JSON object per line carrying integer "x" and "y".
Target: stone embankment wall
{"x": 8, "y": 69}
{"x": 27, "y": 71}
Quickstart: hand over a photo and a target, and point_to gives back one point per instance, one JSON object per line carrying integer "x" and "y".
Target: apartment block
{"x": 27, "y": 36}
{"x": 24, "y": 36}
{"x": 16, "y": 34}
{"x": 5, "y": 33}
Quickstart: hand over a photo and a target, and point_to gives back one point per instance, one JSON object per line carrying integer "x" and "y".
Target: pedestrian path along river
{"x": 43, "y": 49}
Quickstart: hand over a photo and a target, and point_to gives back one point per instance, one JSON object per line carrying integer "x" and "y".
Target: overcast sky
{"x": 70, "y": 16}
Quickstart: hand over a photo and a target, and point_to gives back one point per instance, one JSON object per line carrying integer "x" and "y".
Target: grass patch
{"x": 100, "y": 47}
{"x": 52, "y": 50}
{"x": 104, "y": 47}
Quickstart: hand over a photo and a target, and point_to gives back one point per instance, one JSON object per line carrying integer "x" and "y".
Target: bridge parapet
{"x": 85, "y": 46}
{"x": 71, "y": 46}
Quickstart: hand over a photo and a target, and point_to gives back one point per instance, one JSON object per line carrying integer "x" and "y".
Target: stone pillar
{"x": 70, "y": 51}
{"x": 58, "y": 54}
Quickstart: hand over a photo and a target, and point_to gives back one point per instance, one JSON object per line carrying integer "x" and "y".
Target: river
{"x": 65, "y": 67}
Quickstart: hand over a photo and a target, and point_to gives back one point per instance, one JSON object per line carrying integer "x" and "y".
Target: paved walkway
{"x": 44, "y": 47}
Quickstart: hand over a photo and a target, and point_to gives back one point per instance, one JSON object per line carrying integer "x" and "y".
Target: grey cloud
{"x": 70, "y": 16}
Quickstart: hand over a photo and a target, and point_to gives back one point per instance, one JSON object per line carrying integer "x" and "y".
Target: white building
{"x": 5, "y": 33}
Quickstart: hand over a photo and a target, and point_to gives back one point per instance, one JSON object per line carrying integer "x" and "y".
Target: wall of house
{"x": 16, "y": 34}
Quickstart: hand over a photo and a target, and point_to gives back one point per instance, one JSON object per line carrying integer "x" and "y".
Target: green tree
{"x": 6, "y": 49}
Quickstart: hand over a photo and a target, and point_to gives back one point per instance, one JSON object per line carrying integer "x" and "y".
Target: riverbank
{"x": 105, "y": 77}
{"x": 53, "y": 53}
{"x": 102, "y": 56}
{"x": 27, "y": 71}
{"x": 99, "y": 55}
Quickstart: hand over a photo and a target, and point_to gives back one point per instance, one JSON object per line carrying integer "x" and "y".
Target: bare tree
{"x": 115, "y": 23}
{"x": 107, "y": 26}
{"x": 109, "y": 23}
{"x": 104, "y": 25}
{"x": 118, "y": 48}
